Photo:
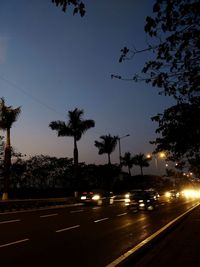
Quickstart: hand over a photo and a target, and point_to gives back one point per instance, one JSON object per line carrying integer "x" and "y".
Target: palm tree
{"x": 107, "y": 145}
{"x": 75, "y": 127}
{"x": 8, "y": 116}
{"x": 142, "y": 161}
{"x": 128, "y": 160}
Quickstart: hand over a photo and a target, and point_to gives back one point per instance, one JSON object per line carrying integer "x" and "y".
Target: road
{"x": 78, "y": 235}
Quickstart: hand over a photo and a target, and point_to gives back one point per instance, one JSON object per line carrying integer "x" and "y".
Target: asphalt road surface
{"x": 79, "y": 235}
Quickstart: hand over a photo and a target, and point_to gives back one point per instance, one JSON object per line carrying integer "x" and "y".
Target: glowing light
{"x": 189, "y": 193}
{"x": 162, "y": 155}
{"x": 168, "y": 194}
{"x": 96, "y": 197}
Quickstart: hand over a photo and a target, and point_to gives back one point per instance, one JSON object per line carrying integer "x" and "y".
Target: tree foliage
{"x": 142, "y": 161}
{"x": 174, "y": 30}
{"x": 128, "y": 161}
{"x": 179, "y": 126}
{"x": 79, "y": 6}
{"x": 107, "y": 145}
{"x": 8, "y": 115}
{"x": 75, "y": 127}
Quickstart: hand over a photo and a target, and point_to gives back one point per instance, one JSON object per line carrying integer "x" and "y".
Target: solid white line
{"x": 75, "y": 211}
{"x": 122, "y": 214}
{"x": 13, "y": 243}
{"x": 49, "y": 215}
{"x": 10, "y": 221}
{"x": 68, "y": 228}
{"x": 100, "y": 220}
{"x": 145, "y": 241}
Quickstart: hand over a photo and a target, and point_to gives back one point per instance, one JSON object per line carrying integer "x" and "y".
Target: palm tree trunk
{"x": 75, "y": 167}
{"x": 109, "y": 161}
{"x": 129, "y": 171}
{"x": 75, "y": 153}
{"x": 141, "y": 170}
{"x": 7, "y": 164}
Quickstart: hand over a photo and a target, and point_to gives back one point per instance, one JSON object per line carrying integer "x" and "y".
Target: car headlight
{"x": 96, "y": 197}
{"x": 127, "y": 195}
{"x": 83, "y": 197}
{"x": 141, "y": 200}
{"x": 168, "y": 194}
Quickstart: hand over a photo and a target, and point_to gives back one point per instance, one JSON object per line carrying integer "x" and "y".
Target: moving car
{"x": 142, "y": 200}
{"x": 97, "y": 197}
{"x": 172, "y": 194}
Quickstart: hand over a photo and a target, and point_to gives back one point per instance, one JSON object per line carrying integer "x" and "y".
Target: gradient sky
{"x": 52, "y": 62}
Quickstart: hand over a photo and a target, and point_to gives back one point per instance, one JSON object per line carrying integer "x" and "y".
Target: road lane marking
{"x": 100, "y": 220}
{"x": 48, "y": 215}
{"x": 10, "y": 221}
{"x": 68, "y": 228}
{"x": 13, "y": 243}
{"x": 96, "y": 208}
{"x": 76, "y": 211}
{"x": 124, "y": 256}
{"x": 122, "y": 214}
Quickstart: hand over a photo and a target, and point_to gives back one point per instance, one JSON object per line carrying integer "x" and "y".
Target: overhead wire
{"x": 19, "y": 88}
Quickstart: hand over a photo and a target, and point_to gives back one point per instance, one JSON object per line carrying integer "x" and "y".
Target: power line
{"x": 14, "y": 85}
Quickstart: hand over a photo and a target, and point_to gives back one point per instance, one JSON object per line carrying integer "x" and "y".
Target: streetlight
{"x": 160, "y": 155}
{"x": 119, "y": 138}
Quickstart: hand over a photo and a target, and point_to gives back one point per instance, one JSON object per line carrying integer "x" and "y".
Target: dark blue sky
{"x": 52, "y": 62}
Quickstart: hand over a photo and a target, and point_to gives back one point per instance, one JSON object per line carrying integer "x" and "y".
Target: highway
{"x": 78, "y": 235}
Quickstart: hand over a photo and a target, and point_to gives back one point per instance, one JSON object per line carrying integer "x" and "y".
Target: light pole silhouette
{"x": 119, "y": 138}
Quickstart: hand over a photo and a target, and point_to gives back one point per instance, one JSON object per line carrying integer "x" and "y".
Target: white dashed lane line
{"x": 75, "y": 211}
{"x": 68, "y": 228}
{"x": 14, "y": 243}
{"x": 122, "y": 214}
{"x": 100, "y": 220}
{"x": 49, "y": 215}
{"x": 10, "y": 221}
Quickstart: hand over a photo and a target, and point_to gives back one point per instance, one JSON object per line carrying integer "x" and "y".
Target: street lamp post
{"x": 160, "y": 155}
{"x": 119, "y": 138}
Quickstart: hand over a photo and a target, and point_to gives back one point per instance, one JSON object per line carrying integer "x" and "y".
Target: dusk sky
{"x": 52, "y": 62}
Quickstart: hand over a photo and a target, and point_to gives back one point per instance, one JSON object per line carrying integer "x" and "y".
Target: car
{"x": 172, "y": 194}
{"x": 142, "y": 200}
{"x": 97, "y": 197}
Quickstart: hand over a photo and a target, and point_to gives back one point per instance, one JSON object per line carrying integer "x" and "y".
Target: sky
{"x": 52, "y": 62}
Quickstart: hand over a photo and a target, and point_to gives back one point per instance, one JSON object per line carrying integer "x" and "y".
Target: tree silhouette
{"x": 79, "y": 6}
{"x": 8, "y": 116}
{"x": 179, "y": 129}
{"x": 174, "y": 30}
{"x": 75, "y": 127}
{"x": 128, "y": 160}
{"x": 107, "y": 145}
{"x": 142, "y": 161}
